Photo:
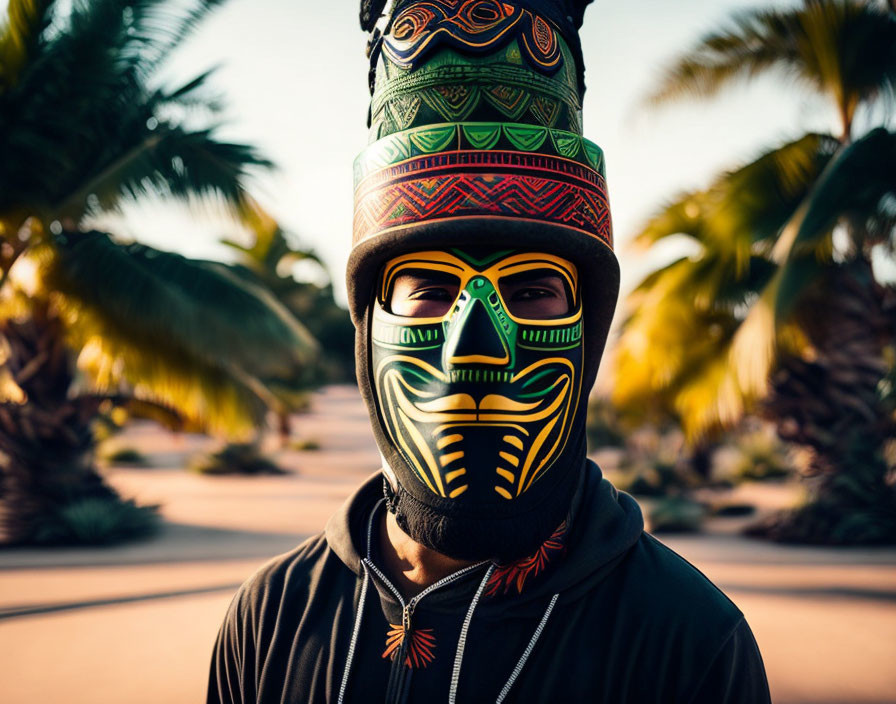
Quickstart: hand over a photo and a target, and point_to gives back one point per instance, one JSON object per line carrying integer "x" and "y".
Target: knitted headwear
{"x": 476, "y": 146}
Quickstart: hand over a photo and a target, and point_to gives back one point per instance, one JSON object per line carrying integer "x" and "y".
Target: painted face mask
{"x": 477, "y": 366}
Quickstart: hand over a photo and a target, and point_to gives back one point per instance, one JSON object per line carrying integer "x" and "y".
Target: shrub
{"x": 653, "y": 477}
{"x": 602, "y": 426}
{"x": 760, "y": 456}
{"x": 97, "y": 521}
{"x": 304, "y": 445}
{"x": 676, "y": 514}
{"x": 236, "y": 458}
{"x": 127, "y": 456}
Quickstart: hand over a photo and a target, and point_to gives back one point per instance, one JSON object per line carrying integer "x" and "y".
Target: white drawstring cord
{"x": 354, "y": 642}
{"x": 357, "y": 629}
{"x": 462, "y": 642}
{"x": 527, "y": 651}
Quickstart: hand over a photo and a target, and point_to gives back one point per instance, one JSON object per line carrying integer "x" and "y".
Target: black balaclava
{"x": 477, "y": 169}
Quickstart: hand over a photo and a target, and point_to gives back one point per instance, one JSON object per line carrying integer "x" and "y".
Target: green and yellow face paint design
{"x": 478, "y": 398}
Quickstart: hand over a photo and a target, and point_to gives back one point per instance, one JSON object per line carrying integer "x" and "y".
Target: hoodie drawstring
{"x": 462, "y": 641}
{"x": 357, "y": 629}
{"x": 462, "y": 644}
{"x": 528, "y": 651}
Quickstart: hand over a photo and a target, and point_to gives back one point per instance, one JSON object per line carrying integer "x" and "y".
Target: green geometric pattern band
{"x": 476, "y": 135}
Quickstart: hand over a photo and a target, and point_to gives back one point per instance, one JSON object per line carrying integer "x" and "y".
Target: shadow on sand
{"x": 175, "y": 542}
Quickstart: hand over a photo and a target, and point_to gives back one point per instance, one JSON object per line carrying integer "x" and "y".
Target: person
{"x": 489, "y": 561}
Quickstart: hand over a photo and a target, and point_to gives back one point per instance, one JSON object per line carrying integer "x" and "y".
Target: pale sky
{"x": 295, "y": 78}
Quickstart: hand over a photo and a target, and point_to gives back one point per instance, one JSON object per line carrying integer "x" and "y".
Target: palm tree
{"x": 268, "y": 261}
{"x": 738, "y": 322}
{"x": 87, "y": 321}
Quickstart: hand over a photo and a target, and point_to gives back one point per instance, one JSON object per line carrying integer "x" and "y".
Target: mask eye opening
{"x": 418, "y": 292}
{"x": 517, "y": 291}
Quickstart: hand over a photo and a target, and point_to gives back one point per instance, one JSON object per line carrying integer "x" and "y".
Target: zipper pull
{"x": 406, "y": 618}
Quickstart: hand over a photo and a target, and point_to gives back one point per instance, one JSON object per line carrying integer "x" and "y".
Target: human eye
{"x": 422, "y": 294}
{"x": 531, "y": 293}
{"x": 431, "y": 293}
{"x": 536, "y": 295}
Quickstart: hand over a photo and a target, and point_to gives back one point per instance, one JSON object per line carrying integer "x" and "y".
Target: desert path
{"x": 135, "y": 624}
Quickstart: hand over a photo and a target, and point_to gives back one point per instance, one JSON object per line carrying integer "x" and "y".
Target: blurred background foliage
{"x": 778, "y": 310}
{"x": 90, "y": 323}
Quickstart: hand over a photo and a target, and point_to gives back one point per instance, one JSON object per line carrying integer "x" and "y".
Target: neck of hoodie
{"x": 412, "y": 567}
{"x": 605, "y": 525}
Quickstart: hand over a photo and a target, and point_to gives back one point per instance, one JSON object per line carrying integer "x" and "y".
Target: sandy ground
{"x": 136, "y": 624}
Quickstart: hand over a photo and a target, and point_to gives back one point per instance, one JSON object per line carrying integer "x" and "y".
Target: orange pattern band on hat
{"x": 504, "y": 185}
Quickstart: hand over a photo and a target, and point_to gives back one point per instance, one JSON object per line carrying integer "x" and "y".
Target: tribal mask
{"x": 476, "y": 397}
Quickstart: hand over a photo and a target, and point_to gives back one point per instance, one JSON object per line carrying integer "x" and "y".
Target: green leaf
{"x": 178, "y": 164}
{"x": 178, "y": 326}
{"x": 748, "y": 206}
{"x": 19, "y": 35}
{"x": 85, "y": 123}
{"x": 842, "y": 49}
{"x": 859, "y": 184}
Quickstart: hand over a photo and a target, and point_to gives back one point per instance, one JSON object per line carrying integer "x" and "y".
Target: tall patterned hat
{"x": 476, "y": 139}
{"x": 477, "y": 162}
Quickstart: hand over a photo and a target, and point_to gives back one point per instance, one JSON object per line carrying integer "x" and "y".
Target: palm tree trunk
{"x": 46, "y": 442}
{"x": 829, "y": 403}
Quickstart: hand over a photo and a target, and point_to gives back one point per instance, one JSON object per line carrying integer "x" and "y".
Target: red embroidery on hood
{"x": 420, "y": 649}
{"x": 516, "y": 573}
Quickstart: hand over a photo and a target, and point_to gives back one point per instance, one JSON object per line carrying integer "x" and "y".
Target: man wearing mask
{"x": 489, "y": 561}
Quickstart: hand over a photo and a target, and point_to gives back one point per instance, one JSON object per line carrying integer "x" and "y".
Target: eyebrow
{"x": 532, "y": 275}
{"x": 427, "y": 275}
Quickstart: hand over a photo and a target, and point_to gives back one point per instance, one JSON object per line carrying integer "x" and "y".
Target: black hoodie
{"x": 602, "y": 613}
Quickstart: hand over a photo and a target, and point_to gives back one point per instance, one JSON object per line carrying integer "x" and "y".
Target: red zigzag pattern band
{"x": 463, "y": 184}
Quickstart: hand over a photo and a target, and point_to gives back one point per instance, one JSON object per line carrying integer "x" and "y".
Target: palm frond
{"x": 663, "y": 352}
{"x": 705, "y": 324}
{"x": 170, "y": 163}
{"x": 145, "y": 32}
{"x": 754, "y": 42}
{"x": 860, "y": 185}
{"x": 843, "y": 49}
{"x": 681, "y": 215}
{"x": 188, "y": 19}
{"x": 272, "y": 250}
{"x": 19, "y": 34}
{"x": 747, "y": 206}
{"x": 174, "y": 106}
{"x": 794, "y": 277}
{"x": 666, "y": 325}
{"x": 83, "y": 129}
{"x": 208, "y": 397}
{"x": 188, "y": 333}
{"x": 711, "y": 400}
{"x": 198, "y": 307}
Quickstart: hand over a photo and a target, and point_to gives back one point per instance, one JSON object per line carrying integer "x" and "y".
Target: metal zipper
{"x": 398, "y": 673}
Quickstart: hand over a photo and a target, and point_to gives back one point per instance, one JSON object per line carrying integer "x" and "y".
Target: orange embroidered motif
{"x": 516, "y": 573}
{"x": 420, "y": 649}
